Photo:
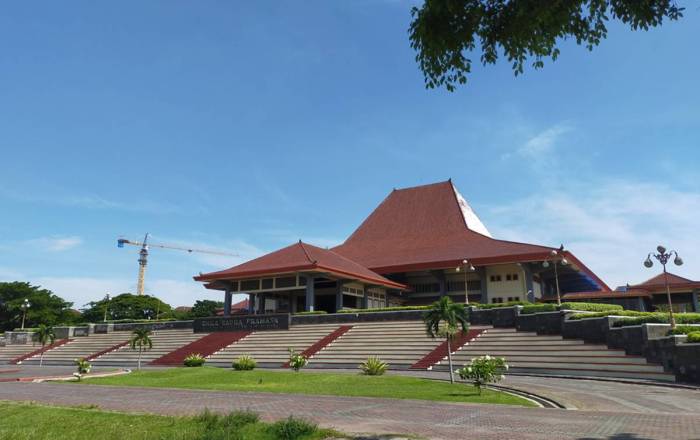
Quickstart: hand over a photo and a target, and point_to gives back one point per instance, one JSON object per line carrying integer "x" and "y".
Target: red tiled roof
{"x": 238, "y": 307}
{"x": 658, "y": 280}
{"x": 424, "y": 227}
{"x": 301, "y": 257}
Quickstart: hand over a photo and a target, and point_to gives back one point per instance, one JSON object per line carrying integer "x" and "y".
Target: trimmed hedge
{"x": 315, "y": 312}
{"x": 612, "y": 313}
{"x": 684, "y": 330}
{"x": 659, "y": 318}
{"x": 693, "y": 337}
{"x": 385, "y": 309}
{"x": 538, "y": 308}
{"x": 499, "y": 305}
{"x": 591, "y": 307}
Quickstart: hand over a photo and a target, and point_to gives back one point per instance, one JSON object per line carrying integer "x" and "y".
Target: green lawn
{"x": 22, "y": 421}
{"x": 335, "y": 384}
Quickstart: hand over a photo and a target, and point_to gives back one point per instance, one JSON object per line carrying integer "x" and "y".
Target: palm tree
{"x": 44, "y": 335}
{"x": 141, "y": 337}
{"x": 445, "y": 318}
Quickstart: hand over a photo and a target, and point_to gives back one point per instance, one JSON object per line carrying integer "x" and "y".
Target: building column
{"x": 339, "y": 296}
{"x": 481, "y": 270}
{"x": 365, "y": 298}
{"x": 696, "y": 302}
{"x": 529, "y": 285}
{"x": 310, "y": 294}
{"x": 227, "y": 302}
{"x": 251, "y": 303}
{"x": 440, "y": 276}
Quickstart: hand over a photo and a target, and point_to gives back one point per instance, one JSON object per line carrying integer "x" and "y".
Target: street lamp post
{"x": 25, "y": 305}
{"x": 107, "y": 298}
{"x": 556, "y": 257}
{"x": 662, "y": 256}
{"x": 467, "y": 268}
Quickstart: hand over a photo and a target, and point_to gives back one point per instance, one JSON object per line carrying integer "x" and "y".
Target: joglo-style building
{"x": 419, "y": 244}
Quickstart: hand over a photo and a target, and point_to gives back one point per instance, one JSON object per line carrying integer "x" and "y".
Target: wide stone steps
{"x": 529, "y": 353}
{"x": 79, "y": 347}
{"x": 271, "y": 348}
{"x": 400, "y": 344}
{"x": 10, "y": 352}
{"x": 164, "y": 342}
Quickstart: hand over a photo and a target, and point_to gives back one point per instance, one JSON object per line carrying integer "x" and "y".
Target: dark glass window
{"x": 286, "y": 282}
{"x": 267, "y": 283}
{"x": 250, "y": 285}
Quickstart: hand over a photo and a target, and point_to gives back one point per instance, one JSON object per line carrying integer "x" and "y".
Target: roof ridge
{"x": 660, "y": 274}
{"x": 303, "y": 248}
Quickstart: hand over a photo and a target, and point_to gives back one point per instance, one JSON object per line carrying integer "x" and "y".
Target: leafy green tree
{"x": 46, "y": 307}
{"x": 44, "y": 334}
{"x": 205, "y": 307}
{"x": 446, "y": 318}
{"x": 127, "y": 306}
{"x": 446, "y": 32}
{"x": 141, "y": 339}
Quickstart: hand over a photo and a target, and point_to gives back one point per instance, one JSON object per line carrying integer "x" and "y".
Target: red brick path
{"x": 205, "y": 346}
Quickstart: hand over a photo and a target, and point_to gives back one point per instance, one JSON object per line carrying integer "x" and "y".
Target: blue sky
{"x": 244, "y": 126}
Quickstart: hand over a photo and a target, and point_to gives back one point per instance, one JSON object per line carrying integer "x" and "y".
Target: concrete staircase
{"x": 271, "y": 348}
{"x": 164, "y": 342}
{"x": 530, "y": 353}
{"x": 399, "y": 343}
{"x": 78, "y": 347}
{"x": 10, "y": 352}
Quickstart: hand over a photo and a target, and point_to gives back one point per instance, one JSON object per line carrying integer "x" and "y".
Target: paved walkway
{"x": 369, "y": 415}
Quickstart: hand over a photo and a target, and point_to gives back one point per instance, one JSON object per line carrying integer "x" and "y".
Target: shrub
{"x": 590, "y": 307}
{"x": 483, "y": 370}
{"x": 499, "y": 305}
{"x": 537, "y": 308}
{"x": 293, "y": 428}
{"x": 315, "y": 312}
{"x": 297, "y": 361}
{"x": 576, "y": 316}
{"x": 244, "y": 363}
{"x": 693, "y": 337}
{"x": 373, "y": 366}
{"x": 660, "y": 318}
{"x": 194, "y": 360}
{"x": 83, "y": 367}
{"x": 684, "y": 330}
{"x": 385, "y": 309}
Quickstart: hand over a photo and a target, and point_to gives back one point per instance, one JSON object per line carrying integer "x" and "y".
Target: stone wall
{"x": 594, "y": 330}
{"x": 343, "y": 318}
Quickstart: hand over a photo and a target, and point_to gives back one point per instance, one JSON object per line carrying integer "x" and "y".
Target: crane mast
{"x": 143, "y": 256}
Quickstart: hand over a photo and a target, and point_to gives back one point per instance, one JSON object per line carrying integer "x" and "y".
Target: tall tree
{"x": 445, "y": 33}
{"x": 141, "y": 339}
{"x": 446, "y": 318}
{"x": 46, "y": 307}
{"x": 44, "y": 335}
{"x": 127, "y": 306}
{"x": 205, "y": 307}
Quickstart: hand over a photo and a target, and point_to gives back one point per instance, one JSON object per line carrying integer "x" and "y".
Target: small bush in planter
{"x": 244, "y": 363}
{"x": 693, "y": 337}
{"x": 373, "y": 366}
{"x": 194, "y": 360}
{"x": 83, "y": 367}
{"x": 484, "y": 370}
{"x": 297, "y": 361}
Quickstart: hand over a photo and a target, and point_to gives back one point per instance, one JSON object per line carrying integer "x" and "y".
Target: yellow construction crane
{"x": 143, "y": 255}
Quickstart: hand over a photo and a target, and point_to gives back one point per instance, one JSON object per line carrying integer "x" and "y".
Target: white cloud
{"x": 609, "y": 225}
{"x": 544, "y": 142}
{"x": 55, "y": 243}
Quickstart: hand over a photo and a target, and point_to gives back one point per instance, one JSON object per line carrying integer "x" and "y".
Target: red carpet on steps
{"x": 37, "y": 352}
{"x": 205, "y": 346}
{"x": 440, "y": 352}
{"x": 323, "y": 342}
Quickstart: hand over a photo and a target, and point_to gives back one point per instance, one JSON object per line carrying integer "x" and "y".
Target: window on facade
{"x": 496, "y": 300}
{"x": 267, "y": 283}
{"x": 515, "y": 277}
{"x": 285, "y": 282}
{"x": 250, "y": 285}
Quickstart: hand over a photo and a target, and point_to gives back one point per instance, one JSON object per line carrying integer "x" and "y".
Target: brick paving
{"x": 380, "y": 416}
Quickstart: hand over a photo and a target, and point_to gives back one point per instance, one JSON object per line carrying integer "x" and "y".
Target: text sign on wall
{"x": 242, "y": 322}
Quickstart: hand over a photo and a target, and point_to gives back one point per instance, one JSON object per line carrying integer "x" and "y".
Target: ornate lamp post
{"x": 556, "y": 257}
{"x": 662, "y": 256}
{"x": 107, "y": 298}
{"x": 24, "y": 306}
{"x": 467, "y": 268}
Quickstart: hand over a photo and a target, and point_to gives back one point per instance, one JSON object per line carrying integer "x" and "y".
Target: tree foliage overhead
{"x": 45, "y": 306}
{"x": 127, "y": 306}
{"x": 446, "y": 32}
